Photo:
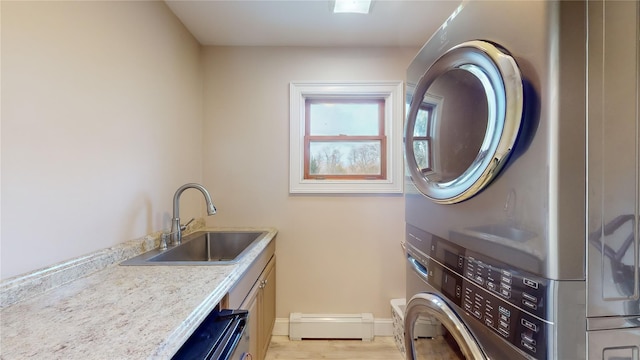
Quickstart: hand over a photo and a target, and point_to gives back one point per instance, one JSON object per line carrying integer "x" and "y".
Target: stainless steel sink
{"x": 202, "y": 248}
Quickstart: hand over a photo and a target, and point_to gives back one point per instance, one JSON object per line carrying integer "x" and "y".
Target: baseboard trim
{"x": 281, "y": 327}
{"x": 381, "y": 327}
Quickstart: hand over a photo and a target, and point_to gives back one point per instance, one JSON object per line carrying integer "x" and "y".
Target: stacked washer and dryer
{"x": 522, "y": 146}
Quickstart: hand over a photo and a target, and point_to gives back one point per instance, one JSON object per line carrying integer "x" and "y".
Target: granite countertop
{"x": 120, "y": 312}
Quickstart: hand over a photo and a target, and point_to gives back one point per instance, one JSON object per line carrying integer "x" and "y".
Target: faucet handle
{"x": 163, "y": 240}
{"x": 184, "y": 227}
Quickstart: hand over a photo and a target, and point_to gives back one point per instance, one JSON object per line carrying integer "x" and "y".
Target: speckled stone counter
{"x": 120, "y": 312}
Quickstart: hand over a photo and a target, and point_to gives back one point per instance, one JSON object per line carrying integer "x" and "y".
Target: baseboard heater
{"x": 331, "y": 326}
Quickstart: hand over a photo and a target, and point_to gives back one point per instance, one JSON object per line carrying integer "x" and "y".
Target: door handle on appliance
{"x": 420, "y": 269}
{"x": 403, "y": 245}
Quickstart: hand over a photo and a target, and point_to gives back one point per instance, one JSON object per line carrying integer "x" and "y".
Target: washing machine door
{"x": 463, "y": 120}
{"x": 425, "y": 306}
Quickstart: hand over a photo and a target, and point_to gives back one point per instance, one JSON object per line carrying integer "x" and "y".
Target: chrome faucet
{"x": 176, "y": 228}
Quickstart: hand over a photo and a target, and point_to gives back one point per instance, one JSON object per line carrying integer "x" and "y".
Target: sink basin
{"x": 202, "y": 248}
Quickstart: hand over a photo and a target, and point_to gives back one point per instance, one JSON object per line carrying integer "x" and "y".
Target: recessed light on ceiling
{"x": 352, "y": 6}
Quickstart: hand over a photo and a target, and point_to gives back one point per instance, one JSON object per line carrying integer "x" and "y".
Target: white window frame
{"x": 391, "y": 91}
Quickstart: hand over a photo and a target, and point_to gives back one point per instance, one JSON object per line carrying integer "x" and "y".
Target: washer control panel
{"x": 516, "y": 326}
{"x": 510, "y": 302}
{"x": 519, "y": 288}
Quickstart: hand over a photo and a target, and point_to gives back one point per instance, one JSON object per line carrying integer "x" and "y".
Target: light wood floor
{"x": 381, "y": 348}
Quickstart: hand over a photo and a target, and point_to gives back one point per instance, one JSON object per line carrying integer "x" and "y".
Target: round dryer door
{"x": 421, "y": 310}
{"x": 463, "y": 121}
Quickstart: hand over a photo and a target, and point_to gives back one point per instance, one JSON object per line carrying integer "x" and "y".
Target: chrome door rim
{"x": 440, "y": 310}
{"x": 500, "y": 76}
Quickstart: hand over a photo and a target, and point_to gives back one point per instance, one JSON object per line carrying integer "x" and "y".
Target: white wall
{"x": 336, "y": 254}
{"x": 101, "y": 123}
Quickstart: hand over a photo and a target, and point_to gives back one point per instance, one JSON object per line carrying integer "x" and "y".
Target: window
{"x": 422, "y": 149}
{"x": 424, "y": 137}
{"x": 346, "y": 137}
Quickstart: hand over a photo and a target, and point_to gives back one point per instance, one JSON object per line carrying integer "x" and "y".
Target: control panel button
{"x": 530, "y": 283}
{"x": 505, "y": 293}
{"x": 529, "y": 325}
{"x": 467, "y": 306}
{"x": 530, "y": 297}
{"x": 488, "y": 321}
{"x": 488, "y": 305}
{"x": 528, "y": 339}
{"x": 530, "y": 305}
{"x": 477, "y": 313}
{"x": 528, "y": 346}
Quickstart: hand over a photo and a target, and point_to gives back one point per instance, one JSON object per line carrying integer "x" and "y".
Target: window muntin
{"x": 345, "y": 139}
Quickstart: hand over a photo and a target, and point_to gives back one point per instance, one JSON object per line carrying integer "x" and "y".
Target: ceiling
{"x": 310, "y": 22}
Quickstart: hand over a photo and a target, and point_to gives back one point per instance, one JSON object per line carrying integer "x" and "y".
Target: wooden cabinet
{"x": 256, "y": 292}
{"x": 251, "y": 304}
{"x": 266, "y": 307}
{"x": 261, "y": 304}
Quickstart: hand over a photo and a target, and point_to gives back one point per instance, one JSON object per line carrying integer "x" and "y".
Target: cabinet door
{"x": 251, "y": 304}
{"x": 267, "y": 304}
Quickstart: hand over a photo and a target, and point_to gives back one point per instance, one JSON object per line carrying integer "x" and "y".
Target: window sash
{"x": 380, "y": 138}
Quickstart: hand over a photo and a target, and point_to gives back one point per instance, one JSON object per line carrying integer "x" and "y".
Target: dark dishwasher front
{"x": 223, "y": 335}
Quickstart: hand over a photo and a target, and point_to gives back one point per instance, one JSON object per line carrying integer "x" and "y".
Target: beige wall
{"x": 336, "y": 254}
{"x": 101, "y": 123}
{"x": 102, "y": 112}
